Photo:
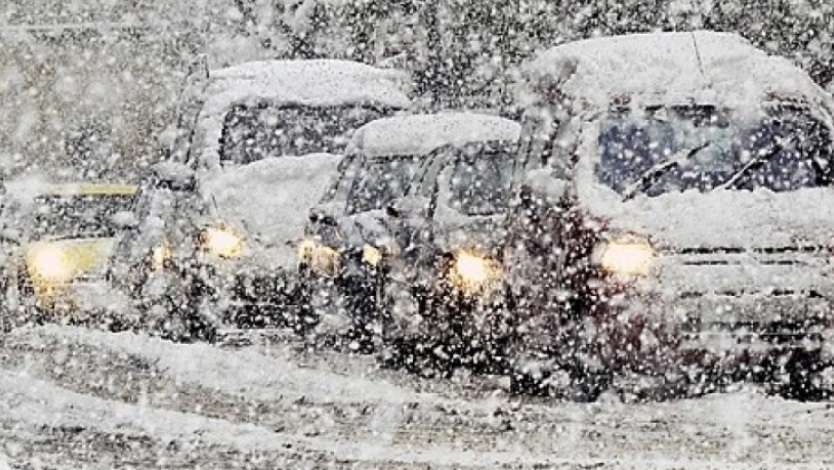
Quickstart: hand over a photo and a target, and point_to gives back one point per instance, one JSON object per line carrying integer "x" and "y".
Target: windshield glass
{"x": 381, "y": 181}
{"x": 78, "y": 216}
{"x": 255, "y": 132}
{"x": 676, "y": 149}
{"x": 481, "y": 179}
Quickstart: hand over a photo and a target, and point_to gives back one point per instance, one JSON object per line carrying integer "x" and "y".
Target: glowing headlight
{"x": 321, "y": 258}
{"x": 627, "y": 257}
{"x": 222, "y": 242}
{"x": 50, "y": 264}
{"x": 371, "y": 255}
{"x": 159, "y": 255}
{"x": 473, "y": 273}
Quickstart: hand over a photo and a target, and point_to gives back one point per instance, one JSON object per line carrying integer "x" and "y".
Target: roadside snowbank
{"x": 236, "y": 372}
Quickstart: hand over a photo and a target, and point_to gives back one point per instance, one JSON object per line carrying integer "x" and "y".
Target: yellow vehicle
{"x": 57, "y": 245}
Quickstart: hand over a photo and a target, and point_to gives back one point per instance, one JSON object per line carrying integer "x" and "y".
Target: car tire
{"x": 575, "y": 384}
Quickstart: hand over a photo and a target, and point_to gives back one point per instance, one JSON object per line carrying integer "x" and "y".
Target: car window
{"x": 264, "y": 130}
{"x": 381, "y": 181}
{"x": 480, "y": 179}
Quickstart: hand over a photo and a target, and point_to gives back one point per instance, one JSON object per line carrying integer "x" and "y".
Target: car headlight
{"x": 158, "y": 256}
{"x": 50, "y": 264}
{"x": 321, "y": 258}
{"x": 222, "y": 242}
{"x": 473, "y": 273}
{"x": 371, "y": 255}
{"x": 627, "y": 257}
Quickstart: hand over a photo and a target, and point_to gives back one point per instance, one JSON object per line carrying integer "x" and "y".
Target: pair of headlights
{"x": 219, "y": 241}
{"x": 326, "y": 260}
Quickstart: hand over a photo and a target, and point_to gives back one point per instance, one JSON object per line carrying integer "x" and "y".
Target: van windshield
{"x": 263, "y": 130}
{"x": 676, "y": 149}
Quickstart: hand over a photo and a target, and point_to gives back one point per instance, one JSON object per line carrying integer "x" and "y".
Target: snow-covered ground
{"x": 73, "y": 398}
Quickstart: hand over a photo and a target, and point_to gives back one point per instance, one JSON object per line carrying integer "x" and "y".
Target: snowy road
{"x": 71, "y": 398}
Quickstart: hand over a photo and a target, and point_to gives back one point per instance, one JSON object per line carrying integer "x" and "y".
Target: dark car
{"x": 679, "y": 235}
{"x": 255, "y": 149}
{"x": 355, "y": 233}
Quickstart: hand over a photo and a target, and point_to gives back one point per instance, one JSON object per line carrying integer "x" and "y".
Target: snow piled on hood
{"x": 666, "y": 68}
{"x": 420, "y": 134}
{"x": 270, "y": 200}
{"x": 719, "y": 218}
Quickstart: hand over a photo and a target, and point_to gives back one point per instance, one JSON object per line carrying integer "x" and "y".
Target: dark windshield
{"x": 481, "y": 179}
{"x": 78, "y": 216}
{"x": 255, "y": 132}
{"x": 785, "y": 150}
{"x": 380, "y": 182}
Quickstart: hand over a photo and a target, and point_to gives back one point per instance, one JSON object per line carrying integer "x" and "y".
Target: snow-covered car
{"x": 254, "y": 150}
{"x": 443, "y": 299}
{"x": 57, "y": 240}
{"x": 357, "y": 231}
{"x": 681, "y": 227}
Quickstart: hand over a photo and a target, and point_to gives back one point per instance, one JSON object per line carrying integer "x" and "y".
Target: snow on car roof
{"x": 422, "y": 133}
{"x": 711, "y": 67}
{"x": 318, "y": 83}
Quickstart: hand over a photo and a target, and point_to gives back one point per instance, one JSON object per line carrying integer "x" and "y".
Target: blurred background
{"x": 87, "y": 86}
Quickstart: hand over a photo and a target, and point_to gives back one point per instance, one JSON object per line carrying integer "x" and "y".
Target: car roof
{"x": 317, "y": 82}
{"x": 420, "y": 134}
{"x": 88, "y": 189}
{"x": 667, "y": 68}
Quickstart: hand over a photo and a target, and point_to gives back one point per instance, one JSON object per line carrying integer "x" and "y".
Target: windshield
{"x": 681, "y": 148}
{"x": 481, "y": 179}
{"x": 78, "y": 216}
{"x": 255, "y": 132}
{"x": 382, "y": 181}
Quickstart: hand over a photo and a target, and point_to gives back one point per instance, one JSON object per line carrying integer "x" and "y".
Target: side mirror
{"x": 407, "y": 206}
{"x": 174, "y": 176}
{"x": 124, "y": 220}
{"x": 318, "y": 215}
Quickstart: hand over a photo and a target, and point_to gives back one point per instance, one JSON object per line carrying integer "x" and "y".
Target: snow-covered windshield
{"x": 680, "y": 148}
{"x": 78, "y": 216}
{"x": 263, "y": 130}
{"x": 382, "y": 181}
{"x": 481, "y": 179}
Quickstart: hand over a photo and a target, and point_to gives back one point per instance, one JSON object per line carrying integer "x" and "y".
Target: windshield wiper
{"x": 778, "y": 146}
{"x": 658, "y": 169}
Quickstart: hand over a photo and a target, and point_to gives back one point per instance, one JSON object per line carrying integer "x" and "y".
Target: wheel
{"x": 575, "y": 383}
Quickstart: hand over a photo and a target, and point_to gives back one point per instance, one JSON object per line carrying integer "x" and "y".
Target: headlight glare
{"x": 371, "y": 255}
{"x": 223, "y": 242}
{"x": 321, "y": 258}
{"x": 473, "y": 273}
{"x": 629, "y": 258}
{"x": 50, "y": 264}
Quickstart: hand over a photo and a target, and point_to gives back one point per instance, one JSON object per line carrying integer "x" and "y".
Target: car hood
{"x": 455, "y": 231}
{"x": 87, "y": 257}
{"x": 268, "y": 202}
{"x": 719, "y": 219}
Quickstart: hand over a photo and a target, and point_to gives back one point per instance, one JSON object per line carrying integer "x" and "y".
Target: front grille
{"x": 263, "y": 289}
